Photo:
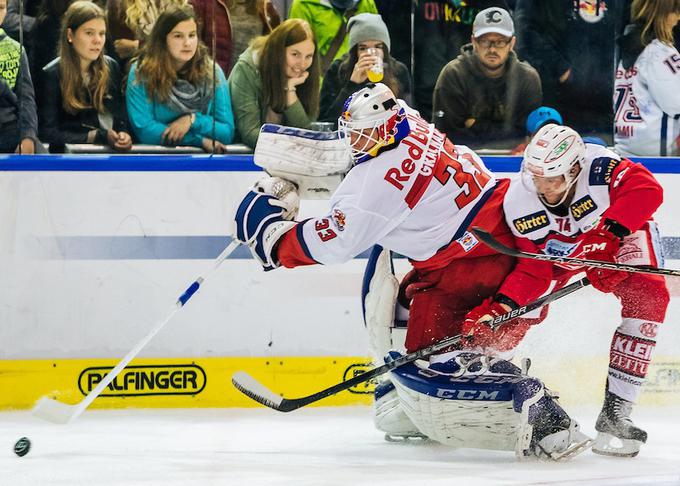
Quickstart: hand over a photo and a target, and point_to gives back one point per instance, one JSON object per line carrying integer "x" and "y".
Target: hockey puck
{"x": 22, "y": 447}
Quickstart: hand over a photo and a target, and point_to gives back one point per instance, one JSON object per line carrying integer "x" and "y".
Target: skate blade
{"x": 610, "y": 445}
{"x": 573, "y": 450}
{"x": 407, "y": 438}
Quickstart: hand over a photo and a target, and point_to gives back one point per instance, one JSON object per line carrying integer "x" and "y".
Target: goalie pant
{"x": 608, "y": 187}
{"x": 464, "y": 399}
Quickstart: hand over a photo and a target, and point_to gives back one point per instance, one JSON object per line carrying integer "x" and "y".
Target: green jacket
{"x": 245, "y": 87}
{"x": 326, "y": 20}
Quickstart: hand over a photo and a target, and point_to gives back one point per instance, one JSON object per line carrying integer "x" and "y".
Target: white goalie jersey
{"x": 415, "y": 199}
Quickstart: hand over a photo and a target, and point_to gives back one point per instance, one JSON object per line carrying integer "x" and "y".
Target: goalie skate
{"x": 563, "y": 445}
{"x": 617, "y": 435}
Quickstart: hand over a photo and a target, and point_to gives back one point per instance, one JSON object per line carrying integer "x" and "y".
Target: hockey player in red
{"x": 413, "y": 191}
{"x": 583, "y": 200}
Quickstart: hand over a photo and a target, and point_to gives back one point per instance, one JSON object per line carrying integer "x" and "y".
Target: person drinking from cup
{"x": 368, "y": 61}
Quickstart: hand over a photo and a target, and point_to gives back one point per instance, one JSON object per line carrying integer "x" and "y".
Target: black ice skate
{"x": 617, "y": 435}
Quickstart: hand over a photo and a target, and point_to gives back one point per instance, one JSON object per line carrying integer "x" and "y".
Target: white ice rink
{"x": 319, "y": 446}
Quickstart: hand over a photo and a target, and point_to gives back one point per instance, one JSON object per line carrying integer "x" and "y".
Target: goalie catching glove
{"x": 264, "y": 215}
{"x": 603, "y": 243}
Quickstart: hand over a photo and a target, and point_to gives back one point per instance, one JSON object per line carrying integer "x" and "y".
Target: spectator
{"x": 222, "y": 37}
{"x": 646, "y": 99}
{"x": 276, "y": 80}
{"x": 46, "y": 35}
{"x": 170, "y": 88}
{"x": 13, "y": 18}
{"x": 536, "y": 120}
{"x": 252, "y": 18}
{"x": 328, "y": 20}
{"x": 18, "y": 118}
{"x": 131, "y": 22}
{"x": 368, "y": 38}
{"x": 486, "y": 93}
{"x": 441, "y": 28}
{"x": 571, "y": 44}
{"x": 80, "y": 97}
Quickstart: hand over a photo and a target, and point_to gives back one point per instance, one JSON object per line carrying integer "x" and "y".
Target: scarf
{"x": 187, "y": 98}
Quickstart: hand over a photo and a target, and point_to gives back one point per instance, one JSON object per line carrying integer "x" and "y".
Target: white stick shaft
{"x": 183, "y": 299}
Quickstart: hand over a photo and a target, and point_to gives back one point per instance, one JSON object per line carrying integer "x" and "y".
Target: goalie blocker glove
{"x": 263, "y": 217}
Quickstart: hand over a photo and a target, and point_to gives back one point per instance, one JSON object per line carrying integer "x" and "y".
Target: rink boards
{"x": 95, "y": 252}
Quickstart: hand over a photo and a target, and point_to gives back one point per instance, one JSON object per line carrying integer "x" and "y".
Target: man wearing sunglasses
{"x": 484, "y": 95}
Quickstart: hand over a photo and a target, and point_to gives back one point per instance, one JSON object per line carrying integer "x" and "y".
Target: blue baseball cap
{"x": 540, "y": 116}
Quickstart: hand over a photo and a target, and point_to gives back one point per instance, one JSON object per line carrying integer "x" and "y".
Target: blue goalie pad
{"x": 492, "y": 386}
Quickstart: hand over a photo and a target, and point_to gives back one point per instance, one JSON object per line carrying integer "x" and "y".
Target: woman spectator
{"x": 646, "y": 100}
{"x": 80, "y": 97}
{"x": 131, "y": 22}
{"x": 276, "y": 80}
{"x": 171, "y": 97}
{"x": 368, "y": 41}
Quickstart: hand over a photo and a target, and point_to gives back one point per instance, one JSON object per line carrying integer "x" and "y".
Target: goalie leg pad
{"x": 389, "y": 416}
{"x": 379, "y": 296}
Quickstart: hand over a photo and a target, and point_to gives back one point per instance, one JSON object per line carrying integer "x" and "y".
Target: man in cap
{"x": 483, "y": 97}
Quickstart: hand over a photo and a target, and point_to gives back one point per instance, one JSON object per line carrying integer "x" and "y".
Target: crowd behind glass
{"x": 122, "y": 74}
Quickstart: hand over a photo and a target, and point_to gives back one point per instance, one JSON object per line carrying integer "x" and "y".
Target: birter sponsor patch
{"x": 467, "y": 241}
{"x": 601, "y": 170}
{"x": 559, "y": 248}
{"x": 531, "y": 222}
{"x": 582, "y": 208}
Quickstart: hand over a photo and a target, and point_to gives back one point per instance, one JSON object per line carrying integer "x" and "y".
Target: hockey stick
{"x": 61, "y": 413}
{"x": 490, "y": 241}
{"x": 250, "y": 387}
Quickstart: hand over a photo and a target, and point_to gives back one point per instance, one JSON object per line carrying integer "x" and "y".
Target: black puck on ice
{"x": 22, "y": 447}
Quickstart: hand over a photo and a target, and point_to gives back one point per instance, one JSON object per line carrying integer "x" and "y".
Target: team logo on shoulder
{"x": 339, "y": 219}
{"x": 531, "y": 222}
{"x": 583, "y": 207}
{"x": 601, "y": 171}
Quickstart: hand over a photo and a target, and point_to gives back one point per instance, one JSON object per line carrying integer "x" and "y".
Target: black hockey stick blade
{"x": 493, "y": 243}
{"x": 250, "y": 387}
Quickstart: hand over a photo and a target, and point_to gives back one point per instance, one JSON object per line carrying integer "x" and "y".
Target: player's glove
{"x": 603, "y": 243}
{"x": 263, "y": 217}
{"x": 477, "y": 329}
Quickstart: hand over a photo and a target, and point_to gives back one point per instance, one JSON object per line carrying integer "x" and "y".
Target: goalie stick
{"x": 55, "y": 411}
{"x": 61, "y": 413}
{"x": 490, "y": 241}
{"x": 253, "y": 389}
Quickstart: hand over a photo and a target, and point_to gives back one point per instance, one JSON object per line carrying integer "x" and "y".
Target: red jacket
{"x": 223, "y": 37}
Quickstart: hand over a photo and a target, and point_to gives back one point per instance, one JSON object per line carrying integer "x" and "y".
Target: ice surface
{"x": 317, "y": 446}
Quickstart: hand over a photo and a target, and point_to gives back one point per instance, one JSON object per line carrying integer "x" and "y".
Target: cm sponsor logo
{"x": 356, "y": 369}
{"x": 135, "y": 381}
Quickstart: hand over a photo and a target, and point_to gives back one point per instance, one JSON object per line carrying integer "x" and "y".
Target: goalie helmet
{"x": 370, "y": 120}
{"x": 553, "y": 152}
